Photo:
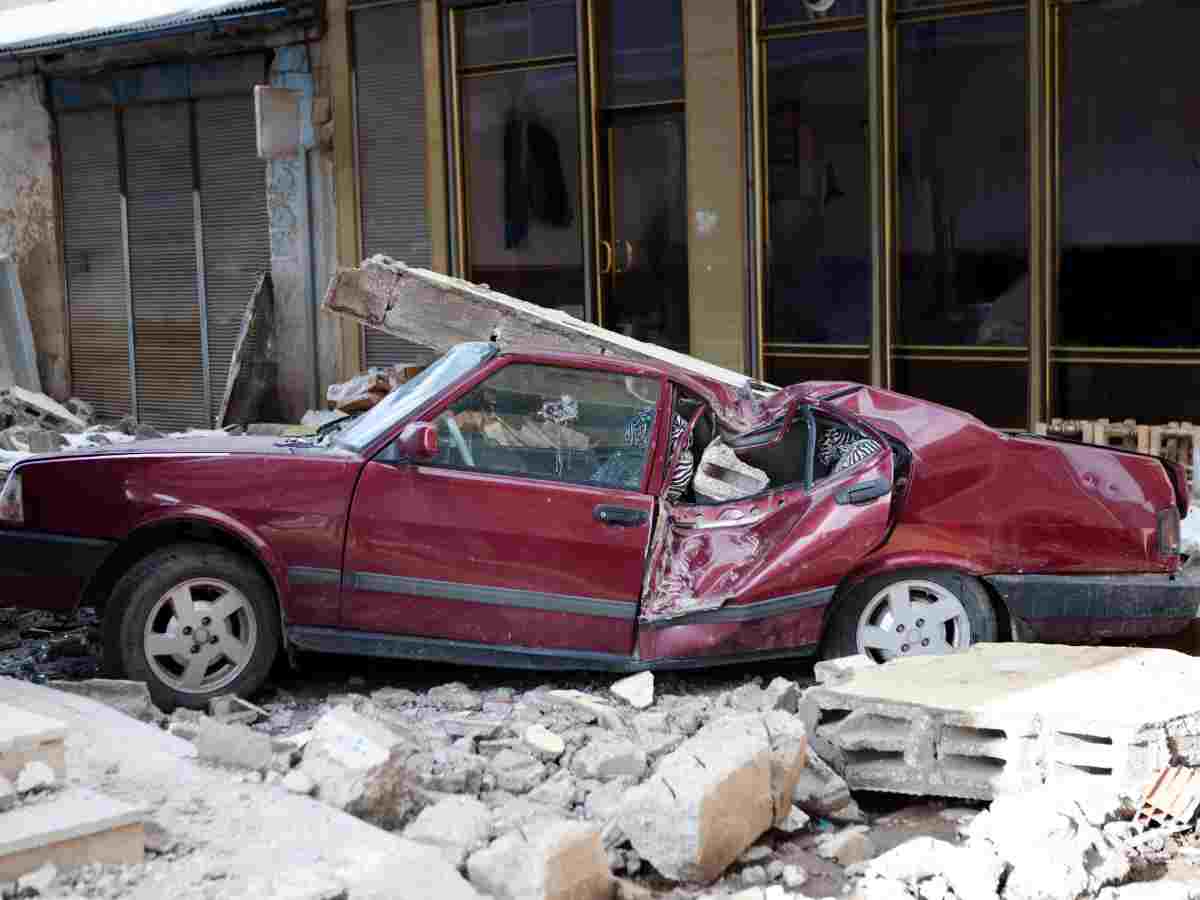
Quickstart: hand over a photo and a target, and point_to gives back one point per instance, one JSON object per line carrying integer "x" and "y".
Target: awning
{"x": 64, "y": 23}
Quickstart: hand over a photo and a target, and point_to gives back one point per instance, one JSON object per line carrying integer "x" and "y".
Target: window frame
{"x": 652, "y": 471}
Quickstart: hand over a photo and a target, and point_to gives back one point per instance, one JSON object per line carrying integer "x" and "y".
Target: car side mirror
{"x": 418, "y": 441}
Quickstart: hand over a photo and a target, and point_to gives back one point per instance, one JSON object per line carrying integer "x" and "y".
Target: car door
{"x": 754, "y": 575}
{"x": 528, "y": 529}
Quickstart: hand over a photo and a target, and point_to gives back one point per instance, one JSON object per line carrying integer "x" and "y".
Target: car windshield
{"x": 415, "y": 393}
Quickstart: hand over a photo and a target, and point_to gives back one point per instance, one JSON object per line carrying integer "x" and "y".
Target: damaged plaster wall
{"x": 300, "y": 204}
{"x": 28, "y": 225}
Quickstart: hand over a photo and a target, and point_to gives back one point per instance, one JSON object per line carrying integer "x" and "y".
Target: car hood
{"x": 207, "y": 446}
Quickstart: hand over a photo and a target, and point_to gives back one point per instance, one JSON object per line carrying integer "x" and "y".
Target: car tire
{"x": 193, "y": 621}
{"x": 864, "y": 620}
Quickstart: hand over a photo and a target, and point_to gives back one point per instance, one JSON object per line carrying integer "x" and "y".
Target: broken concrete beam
{"x": 253, "y": 368}
{"x": 1006, "y": 718}
{"x": 26, "y": 737}
{"x": 439, "y": 311}
{"x": 18, "y": 353}
{"x": 548, "y": 860}
{"x": 714, "y": 796}
{"x": 43, "y": 407}
{"x": 74, "y": 828}
{"x": 233, "y": 745}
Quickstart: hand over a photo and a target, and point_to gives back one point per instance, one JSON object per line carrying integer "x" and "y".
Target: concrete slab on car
{"x": 1004, "y": 718}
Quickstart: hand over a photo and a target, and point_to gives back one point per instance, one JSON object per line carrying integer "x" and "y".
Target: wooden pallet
{"x": 1178, "y": 442}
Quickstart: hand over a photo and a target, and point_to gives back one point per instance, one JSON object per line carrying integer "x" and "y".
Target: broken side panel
{"x": 439, "y": 311}
{"x": 755, "y": 575}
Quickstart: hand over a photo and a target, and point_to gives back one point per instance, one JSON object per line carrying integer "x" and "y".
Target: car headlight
{"x": 12, "y": 506}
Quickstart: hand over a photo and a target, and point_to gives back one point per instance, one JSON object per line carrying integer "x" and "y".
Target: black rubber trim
{"x": 750, "y": 612}
{"x": 366, "y": 643}
{"x": 1133, "y": 596}
{"x": 308, "y": 575}
{"x": 35, "y": 553}
{"x": 494, "y": 596}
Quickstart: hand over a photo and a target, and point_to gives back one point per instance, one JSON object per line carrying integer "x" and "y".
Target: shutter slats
{"x": 95, "y": 261}
{"x": 162, "y": 249}
{"x": 390, "y": 95}
{"x": 233, "y": 202}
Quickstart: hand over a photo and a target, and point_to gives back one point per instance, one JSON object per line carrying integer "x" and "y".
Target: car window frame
{"x": 430, "y": 413}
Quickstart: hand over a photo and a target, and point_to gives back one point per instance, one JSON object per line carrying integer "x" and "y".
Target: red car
{"x": 558, "y": 511}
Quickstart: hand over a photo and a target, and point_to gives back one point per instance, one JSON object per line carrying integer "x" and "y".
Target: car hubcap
{"x": 200, "y": 635}
{"x": 913, "y": 618}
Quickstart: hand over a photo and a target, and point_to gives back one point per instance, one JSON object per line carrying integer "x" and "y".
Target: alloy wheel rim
{"x": 913, "y": 618}
{"x": 200, "y": 635}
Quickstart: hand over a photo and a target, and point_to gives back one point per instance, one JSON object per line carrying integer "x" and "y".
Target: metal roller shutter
{"x": 233, "y": 202}
{"x": 162, "y": 252}
{"x": 97, "y": 292}
{"x": 390, "y": 103}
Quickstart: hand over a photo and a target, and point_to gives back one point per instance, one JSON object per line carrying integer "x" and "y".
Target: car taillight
{"x": 12, "y": 508}
{"x": 1169, "y": 540}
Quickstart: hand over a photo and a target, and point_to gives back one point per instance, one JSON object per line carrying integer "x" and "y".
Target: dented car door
{"x": 756, "y": 574}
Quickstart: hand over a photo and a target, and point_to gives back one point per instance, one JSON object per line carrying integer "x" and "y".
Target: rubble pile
{"x": 363, "y": 391}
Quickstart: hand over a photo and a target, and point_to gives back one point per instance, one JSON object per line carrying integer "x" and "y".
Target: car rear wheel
{"x": 925, "y": 612}
{"x": 194, "y": 622}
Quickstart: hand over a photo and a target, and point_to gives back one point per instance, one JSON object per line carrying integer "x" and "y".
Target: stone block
{"x": 710, "y": 799}
{"x": 604, "y": 759}
{"x": 458, "y": 826}
{"x": 233, "y": 745}
{"x": 636, "y": 690}
{"x": 555, "y": 860}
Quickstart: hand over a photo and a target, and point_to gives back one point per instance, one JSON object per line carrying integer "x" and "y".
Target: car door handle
{"x": 620, "y": 515}
{"x": 863, "y": 493}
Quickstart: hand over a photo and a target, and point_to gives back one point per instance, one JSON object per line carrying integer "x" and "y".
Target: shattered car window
{"x": 572, "y": 425}
{"x": 413, "y": 394}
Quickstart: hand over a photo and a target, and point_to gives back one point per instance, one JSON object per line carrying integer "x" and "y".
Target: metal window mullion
{"x": 127, "y": 261}
{"x": 881, "y": 108}
{"x": 201, "y": 276}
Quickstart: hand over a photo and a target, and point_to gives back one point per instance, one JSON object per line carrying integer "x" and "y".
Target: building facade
{"x": 988, "y": 204}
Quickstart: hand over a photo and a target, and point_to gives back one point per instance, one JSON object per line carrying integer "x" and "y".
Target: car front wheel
{"x": 925, "y": 612}
{"x": 194, "y": 622}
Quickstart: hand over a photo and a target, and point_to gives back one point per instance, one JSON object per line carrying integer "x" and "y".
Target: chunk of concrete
{"x": 71, "y": 828}
{"x": 458, "y": 826}
{"x": 353, "y": 762}
{"x": 235, "y": 746}
{"x": 713, "y": 797}
{"x": 848, "y": 846}
{"x": 35, "y": 776}
{"x": 1054, "y": 851}
{"x": 591, "y": 709}
{"x": 130, "y": 697}
{"x": 517, "y": 772}
{"x": 8, "y": 794}
{"x": 38, "y": 881}
{"x": 973, "y": 872}
{"x": 543, "y": 742}
{"x": 605, "y": 759}
{"x": 819, "y": 790}
{"x": 1006, "y": 718}
{"x": 554, "y": 860}
{"x": 636, "y": 690}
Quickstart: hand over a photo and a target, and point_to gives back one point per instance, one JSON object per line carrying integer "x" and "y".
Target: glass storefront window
{"x": 818, "y": 255}
{"x": 783, "y": 12}
{"x": 1129, "y": 241}
{"x": 643, "y": 62}
{"x": 521, "y": 153}
{"x": 963, "y": 182}
{"x": 491, "y": 35}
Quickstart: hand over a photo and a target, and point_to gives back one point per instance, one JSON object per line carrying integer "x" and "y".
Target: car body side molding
{"x": 313, "y": 576}
{"x": 494, "y": 596}
{"x": 750, "y": 612}
{"x": 366, "y": 643}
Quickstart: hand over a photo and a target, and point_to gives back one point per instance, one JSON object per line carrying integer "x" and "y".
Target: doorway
{"x": 642, "y": 255}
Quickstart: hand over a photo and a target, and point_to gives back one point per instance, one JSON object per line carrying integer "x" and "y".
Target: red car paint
{"x": 367, "y": 546}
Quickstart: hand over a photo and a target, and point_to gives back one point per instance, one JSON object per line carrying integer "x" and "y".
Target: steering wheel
{"x": 460, "y": 442}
